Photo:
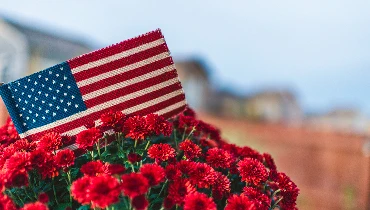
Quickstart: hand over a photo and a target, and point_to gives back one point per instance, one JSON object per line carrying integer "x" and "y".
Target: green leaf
{"x": 84, "y": 208}
{"x": 62, "y": 206}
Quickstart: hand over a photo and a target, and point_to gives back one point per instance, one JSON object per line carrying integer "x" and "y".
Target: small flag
{"x": 136, "y": 76}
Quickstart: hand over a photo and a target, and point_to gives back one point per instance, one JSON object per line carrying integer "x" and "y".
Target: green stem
{"x": 16, "y": 195}
{"x": 105, "y": 145}
{"x": 135, "y": 144}
{"x": 183, "y": 135}
{"x": 147, "y": 145}
{"x": 55, "y": 193}
{"x": 98, "y": 147}
{"x": 276, "y": 203}
{"x": 92, "y": 155}
{"x": 69, "y": 177}
{"x": 160, "y": 192}
{"x": 70, "y": 183}
{"x": 28, "y": 195}
{"x": 132, "y": 166}
{"x": 277, "y": 191}
{"x": 191, "y": 132}
{"x": 175, "y": 137}
{"x": 126, "y": 203}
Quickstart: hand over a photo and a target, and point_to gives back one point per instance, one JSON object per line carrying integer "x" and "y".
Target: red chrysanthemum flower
{"x": 168, "y": 203}
{"x": 87, "y": 138}
{"x": 252, "y": 171}
{"x": 134, "y": 184}
{"x": 11, "y": 130}
{"x": 157, "y": 125}
{"x": 209, "y": 131}
{"x": 261, "y": 200}
{"x": 6, "y": 203}
{"x": 2, "y": 182}
{"x": 8, "y": 152}
{"x": 65, "y": 158}
{"x": 161, "y": 152}
{"x": 232, "y": 149}
{"x": 221, "y": 187}
{"x": 135, "y": 127}
{"x": 273, "y": 175}
{"x": 68, "y": 140}
{"x": 113, "y": 120}
{"x": 38, "y": 158}
{"x": 153, "y": 173}
{"x": 189, "y": 112}
{"x": 35, "y": 206}
{"x": 93, "y": 168}
{"x": 185, "y": 166}
{"x": 103, "y": 191}
{"x": 205, "y": 142}
{"x": 190, "y": 149}
{"x": 23, "y": 145}
{"x": 269, "y": 161}
{"x": 187, "y": 123}
{"x": 50, "y": 142}
{"x": 179, "y": 189}
{"x": 198, "y": 201}
{"x": 114, "y": 169}
{"x": 50, "y": 169}
{"x": 172, "y": 172}
{"x": 289, "y": 191}
{"x": 140, "y": 202}
{"x": 236, "y": 202}
{"x": 202, "y": 175}
{"x": 247, "y": 152}
{"x": 43, "y": 198}
{"x": 218, "y": 158}
{"x": 133, "y": 157}
{"x": 18, "y": 178}
{"x": 79, "y": 189}
{"x": 18, "y": 161}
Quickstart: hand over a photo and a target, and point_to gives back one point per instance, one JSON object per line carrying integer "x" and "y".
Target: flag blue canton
{"x": 45, "y": 97}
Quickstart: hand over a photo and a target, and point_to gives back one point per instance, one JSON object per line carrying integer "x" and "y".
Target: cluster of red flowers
{"x": 139, "y": 162}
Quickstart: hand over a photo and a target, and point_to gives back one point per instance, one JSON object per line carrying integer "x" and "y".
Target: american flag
{"x": 136, "y": 76}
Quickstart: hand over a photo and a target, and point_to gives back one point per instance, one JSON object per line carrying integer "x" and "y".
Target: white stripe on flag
{"x": 118, "y": 71}
{"x": 171, "y": 108}
{"x": 109, "y": 104}
{"x": 127, "y": 82}
{"x": 118, "y": 56}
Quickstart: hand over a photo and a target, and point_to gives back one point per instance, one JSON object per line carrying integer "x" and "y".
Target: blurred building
{"x": 273, "y": 106}
{"x": 340, "y": 120}
{"x": 193, "y": 74}
{"x": 28, "y": 49}
{"x": 25, "y": 49}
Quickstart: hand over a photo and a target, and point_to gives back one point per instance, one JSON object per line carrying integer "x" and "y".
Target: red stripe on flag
{"x": 114, "y": 49}
{"x": 159, "y": 106}
{"x": 174, "y": 112}
{"x": 79, "y": 76}
{"x": 130, "y": 89}
{"x": 125, "y": 76}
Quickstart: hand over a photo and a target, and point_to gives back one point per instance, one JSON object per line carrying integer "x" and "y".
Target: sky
{"x": 320, "y": 49}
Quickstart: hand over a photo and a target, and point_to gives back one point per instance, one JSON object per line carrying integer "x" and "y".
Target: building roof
{"x": 196, "y": 63}
{"x": 50, "y": 41}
